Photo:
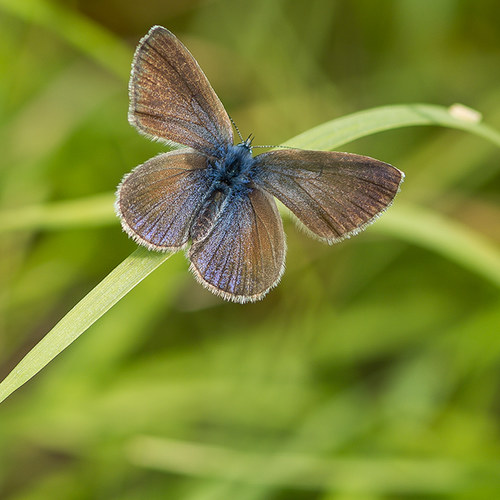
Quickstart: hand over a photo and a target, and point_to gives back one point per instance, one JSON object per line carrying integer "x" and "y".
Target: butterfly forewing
{"x": 158, "y": 200}
{"x": 171, "y": 98}
{"x": 333, "y": 194}
{"x": 243, "y": 255}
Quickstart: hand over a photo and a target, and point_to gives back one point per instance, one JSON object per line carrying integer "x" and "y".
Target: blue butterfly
{"x": 215, "y": 196}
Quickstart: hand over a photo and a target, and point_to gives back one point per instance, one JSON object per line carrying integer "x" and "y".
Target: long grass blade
{"x": 136, "y": 267}
{"x": 335, "y": 133}
{"x": 107, "y": 293}
{"x": 91, "y": 211}
{"x": 327, "y": 136}
{"x": 444, "y": 236}
{"x": 85, "y": 35}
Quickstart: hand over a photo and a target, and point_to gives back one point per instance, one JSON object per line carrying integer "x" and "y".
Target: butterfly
{"x": 214, "y": 197}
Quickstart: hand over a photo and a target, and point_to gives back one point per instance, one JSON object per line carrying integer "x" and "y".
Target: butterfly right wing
{"x": 172, "y": 99}
{"x": 334, "y": 195}
{"x": 159, "y": 200}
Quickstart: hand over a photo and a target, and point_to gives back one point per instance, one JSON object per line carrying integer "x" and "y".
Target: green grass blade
{"x": 107, "y": 293}
{"x": 295, "y": 470}
{"x": 92, "y": 211}
{"x": 444, "y": 236}
{"x": 327, "y": 136}
{"x": 88, "y": 37}
{"x": 335, "y": 133}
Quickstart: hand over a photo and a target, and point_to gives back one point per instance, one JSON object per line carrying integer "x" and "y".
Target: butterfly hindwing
{"x": 242, "y": 257}
{"x": 172, "y": 99}
{"x": 334, "y": 195}
{"x": 159, "y": 199}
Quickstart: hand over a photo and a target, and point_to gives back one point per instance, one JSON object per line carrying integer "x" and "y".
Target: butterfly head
{"x": 246, "y": 144}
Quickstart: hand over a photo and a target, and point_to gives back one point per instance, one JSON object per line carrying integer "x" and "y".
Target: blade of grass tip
{"x": 106, "y": 294}
{"x": 88, "y": 37}
{"x": 444, "y": 236}
{"x": 335, "y": 133}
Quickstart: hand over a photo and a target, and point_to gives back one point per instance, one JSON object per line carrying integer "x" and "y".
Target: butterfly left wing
{"x": 172, "y": 99}
{"x": 242, "y": 256}
{"x": 159, "y": 200}
{"x": 334, "y": 195}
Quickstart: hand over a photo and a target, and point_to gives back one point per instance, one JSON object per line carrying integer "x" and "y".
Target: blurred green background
{"x": 371, "y": 372}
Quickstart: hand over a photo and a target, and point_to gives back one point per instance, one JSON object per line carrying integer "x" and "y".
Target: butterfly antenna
{"x": 275, "y": 146}
{"x": 237, "y": 129}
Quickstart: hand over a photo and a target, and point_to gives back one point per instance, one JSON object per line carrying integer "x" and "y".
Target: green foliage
{"x": 371, "y": 372}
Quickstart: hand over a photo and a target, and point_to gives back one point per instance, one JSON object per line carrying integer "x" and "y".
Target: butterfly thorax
{"x": 234, "y": 172}
{"x": 231, "y": 178}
